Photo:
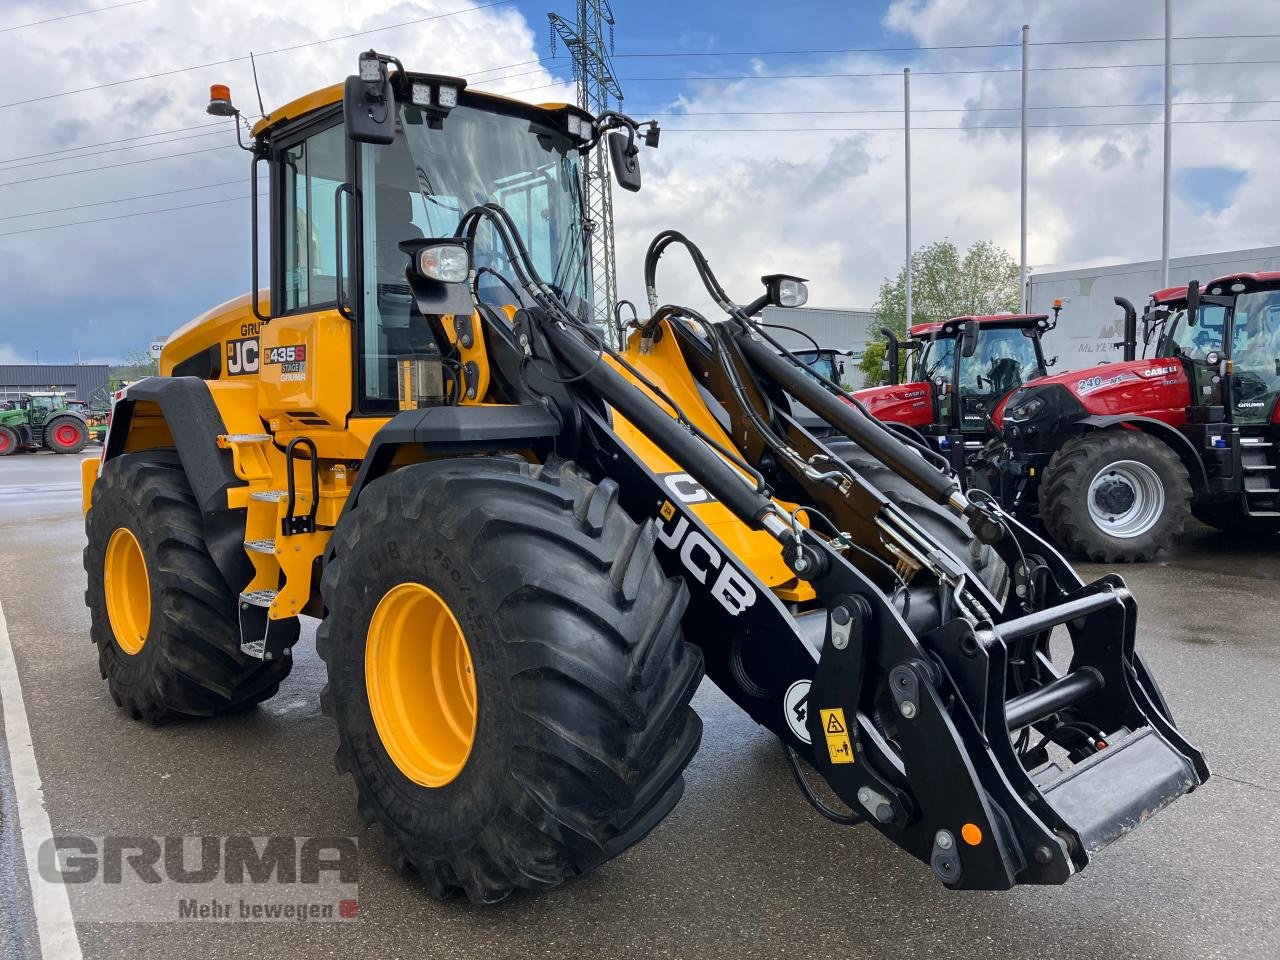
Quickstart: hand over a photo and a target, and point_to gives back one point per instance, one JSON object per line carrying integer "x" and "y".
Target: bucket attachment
{"x": 993, "y": 786}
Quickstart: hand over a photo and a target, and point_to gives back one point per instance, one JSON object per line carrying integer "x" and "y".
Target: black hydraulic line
{"x": 721, "y": 480}
{"x": 1053, "y": 696}
{"x": 895, "y": 455}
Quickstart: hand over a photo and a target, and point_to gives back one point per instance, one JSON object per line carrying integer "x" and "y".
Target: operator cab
{"x": 826, "y": 363}
{"x": 972, "y": 372}
{"x": 368, "y": 306}
{"x": 1230, "y": 349}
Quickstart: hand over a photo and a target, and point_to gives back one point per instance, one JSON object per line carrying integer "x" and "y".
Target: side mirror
{"x": 439, "y": 275}
{"x": 369, "y": 103}
{"x": 624, "y": 157}
{"x": 1193, "y": 302}
{"x": 840, "y": 367}
{"x": 969, "y": 338}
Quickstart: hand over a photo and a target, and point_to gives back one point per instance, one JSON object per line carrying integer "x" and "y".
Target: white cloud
{"x": 827, "y": 205}
{"x": 759, "y": 202}
{"x": 109, "y": 287}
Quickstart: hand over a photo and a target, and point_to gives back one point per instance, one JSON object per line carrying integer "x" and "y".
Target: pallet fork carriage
{"x": 527, "y": 544}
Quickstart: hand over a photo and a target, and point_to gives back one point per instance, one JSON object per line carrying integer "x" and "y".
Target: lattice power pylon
{"x": 590, "y": 42}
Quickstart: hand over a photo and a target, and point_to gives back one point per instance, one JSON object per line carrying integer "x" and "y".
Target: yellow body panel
{"x": 666, "y": 368}
{"x": 327, "y": 96}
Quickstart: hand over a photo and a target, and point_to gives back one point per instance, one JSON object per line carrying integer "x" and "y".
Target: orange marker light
{"x": 1057, "y": 303}
{"x": 972, "y": 834}
{"x": 219, "y": 91}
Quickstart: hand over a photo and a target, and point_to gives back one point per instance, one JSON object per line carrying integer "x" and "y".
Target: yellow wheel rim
{"x": 128, "y": 590}
{"x": 421, "y": 685}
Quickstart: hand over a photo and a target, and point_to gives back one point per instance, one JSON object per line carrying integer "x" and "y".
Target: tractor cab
{"x": 960, "y": 371}
{"x": 1229, "y": 344}
{"x": 826, "y": 363}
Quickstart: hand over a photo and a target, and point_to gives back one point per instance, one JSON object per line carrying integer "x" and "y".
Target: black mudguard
{"x": 186, "y": 402}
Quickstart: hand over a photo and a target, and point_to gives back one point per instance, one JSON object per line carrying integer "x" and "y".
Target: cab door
{"x": 1201, "y": 348}
{"x": 1254, "y": 383}
{"x": 304, "y": 356}
{"x": 39, "y": 409}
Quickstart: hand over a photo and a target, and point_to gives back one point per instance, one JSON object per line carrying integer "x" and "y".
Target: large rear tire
{"x": 164, "y": 620}
{"x": 1115, "y": 495}
{"x": 560, "y": 737}
{"x": 66, "y": 434}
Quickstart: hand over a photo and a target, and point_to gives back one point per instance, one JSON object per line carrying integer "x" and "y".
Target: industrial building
{"x": 80, "y": 381}
{"x": 1091, "y": 325}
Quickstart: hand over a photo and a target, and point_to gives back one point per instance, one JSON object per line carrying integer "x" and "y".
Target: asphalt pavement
{"x": 742, "y": 867}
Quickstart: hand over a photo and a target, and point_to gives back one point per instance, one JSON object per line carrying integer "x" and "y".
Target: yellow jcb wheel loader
{"x": 526, "y": 540}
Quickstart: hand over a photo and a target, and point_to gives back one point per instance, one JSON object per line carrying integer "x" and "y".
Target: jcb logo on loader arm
{"x": 702, "y": 558}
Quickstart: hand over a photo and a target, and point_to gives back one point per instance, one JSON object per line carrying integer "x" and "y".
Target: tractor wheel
{"x": 8, "y": 442}
{"x": 165, "y": 622}
{"x": 66, "y": 435}
{"x": 1115, "y": 495}
{"x": 506, "y": 671}
{"x": 941, "y": 521}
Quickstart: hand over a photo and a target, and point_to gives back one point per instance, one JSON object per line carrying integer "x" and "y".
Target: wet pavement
{"x": 742, "y": 867}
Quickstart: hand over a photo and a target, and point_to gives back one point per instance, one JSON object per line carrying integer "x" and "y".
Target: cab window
{"x": 1198, "y": 341}
{"x": 1004, "y": 360}
{"x": 312, "y": 170}
{"x": 936, "y": 359}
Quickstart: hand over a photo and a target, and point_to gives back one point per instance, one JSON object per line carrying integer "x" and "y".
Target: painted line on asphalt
{"x": 54, "y": 920}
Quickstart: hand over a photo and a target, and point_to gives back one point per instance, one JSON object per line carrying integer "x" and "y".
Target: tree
{"x": 944, "y": 285}
{"x": 137, "y": 364}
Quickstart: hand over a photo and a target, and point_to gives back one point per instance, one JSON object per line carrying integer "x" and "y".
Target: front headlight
{"x": 1025, "y": 411}
{"x": 446, "y": 262}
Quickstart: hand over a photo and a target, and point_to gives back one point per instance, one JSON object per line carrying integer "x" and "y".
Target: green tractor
{"x": 42, "y": 420}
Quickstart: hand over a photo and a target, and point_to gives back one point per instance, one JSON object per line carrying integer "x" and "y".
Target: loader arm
{"x": 932, "y": 702}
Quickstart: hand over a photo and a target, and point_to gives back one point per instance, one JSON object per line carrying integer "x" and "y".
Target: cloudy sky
{"x": 767, "y": 170}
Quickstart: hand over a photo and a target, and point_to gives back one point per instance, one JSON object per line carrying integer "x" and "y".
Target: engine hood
{"x": 910, "y": 404}
{"x": 1138, "y": 387}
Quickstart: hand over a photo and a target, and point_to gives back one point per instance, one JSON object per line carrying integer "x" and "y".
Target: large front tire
{"x": 164, "y": 620}
{"x": 1115, "y": 495}
{"x": 553, "y": 729}
{"x": 66, "y": 435}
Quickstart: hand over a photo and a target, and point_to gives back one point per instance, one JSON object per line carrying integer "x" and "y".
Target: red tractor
{"x": 963, "y": 368}
{"x": 1116, "y": 456}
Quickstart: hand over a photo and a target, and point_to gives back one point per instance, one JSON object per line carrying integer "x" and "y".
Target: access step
{"x": 246, "y": 437}
{"x": 260, "y": 636}
{"x": 265, "y": 545}
{"x": 269, "y": 496}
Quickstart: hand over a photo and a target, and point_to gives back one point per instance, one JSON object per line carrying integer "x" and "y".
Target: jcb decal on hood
{"x": 703, "y": 560}
{"x": 242, "y": 356}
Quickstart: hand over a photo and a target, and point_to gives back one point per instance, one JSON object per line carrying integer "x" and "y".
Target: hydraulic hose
{"x": 892, "y": 453}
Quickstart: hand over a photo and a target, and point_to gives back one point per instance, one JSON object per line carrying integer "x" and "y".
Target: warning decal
{"x": 837, "y": 734}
